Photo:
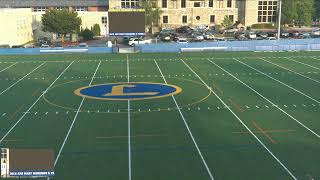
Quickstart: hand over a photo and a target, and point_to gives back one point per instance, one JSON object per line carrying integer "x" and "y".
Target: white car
{"x": 83, "y": 45}
{"x": 252, "y": 35}
{"x": 182, "y": 41}
{"x": 45, "y": 46}
{"x": 135, "y": 41}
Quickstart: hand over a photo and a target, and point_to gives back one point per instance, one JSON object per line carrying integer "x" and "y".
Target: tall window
{"x": 212, "y": 18}
{"x": 184, "y": 19}
{"x": 130, "y": 4}
{"x": 220, "y": 2}
{"x": 165, "y": 19}
{"x": 267, "y": 11}
{"x": 231, "y": 17}
{"x": 210, "y": 3}
{"x": 183, "y": 3}
{"x": 164, "y": 3}
{"x": 229, "y": 3}
{"x": 104, "y": 20}
{"x": 197, "y": 4}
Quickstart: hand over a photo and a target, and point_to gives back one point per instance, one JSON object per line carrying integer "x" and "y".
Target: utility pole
{"x": 279, "y": 19}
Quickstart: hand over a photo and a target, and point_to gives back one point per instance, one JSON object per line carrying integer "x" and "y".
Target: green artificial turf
{"x": 278, "y": 104}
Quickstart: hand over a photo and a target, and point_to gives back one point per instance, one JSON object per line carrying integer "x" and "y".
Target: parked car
{"x": 240, "y": 36}
{"x": 184, "y": 30}
{"x": 4, "y": 46}
{"x": 304, "y": 35}
{"x": 182, "y": 41}
{"x": 315, "y": 33}
{"x": 44, "y": 46}
{"x": 209, "y": 36}
{"x": 284, "y": 34}
{"x": 271, "y": 38}
{"x": 17, "y": 46}
{"x": 197, "y": 37}
{"x": 262, "y": 35}
{"x": 251, "y": 35}
{"x": 165, "y": 37}
{"x": 294, "y": 34}
{"x": 83, "y": 45}
{"x": 135, "y": 41}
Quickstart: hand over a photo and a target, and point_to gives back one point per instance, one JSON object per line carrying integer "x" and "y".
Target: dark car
{"x": 184, "y": 30}
{"x": 4, "y": 46}
{"x": 17, "y": 46}
{"x": 240, "y": 36}
{"x": 165, "y": 37}
{"x": 262, "y": 35}
{"x": 294, "y": 34}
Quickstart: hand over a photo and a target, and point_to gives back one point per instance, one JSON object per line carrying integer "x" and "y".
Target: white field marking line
{"x": 277, "y": 81}
{"x": 21, "y": 79}
{"x": 236, "y": 116}
{"x": 74, "y": 119}
{"x": 315, "y": 58}
{"x": 187, "y": 126}
{"x": 290, "y": 59}
{"x": 24, "y": 114}
{"x": 307, "y": 77}
{"x": 8, "y": 67}
{"x": 129, "y": 125}
{"x": 273, "y": 104}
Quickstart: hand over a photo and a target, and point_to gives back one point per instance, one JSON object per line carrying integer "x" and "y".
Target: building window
{"x": 220, "y": 2}
{"x": 39, "y": 9}
{"x": 130, "y": 4}
{"x": 183, "y": 3}
{"x": 267, "y": 11}
{"x": 165, "y": 19}
{"x": 164, "y": 3}
{"x": 231, "y": 17}
{"x": 229, "y": 3}
{"x": 80, "y": 8}
{"x": 212, "y": 18}
{"x": 184, "y": 19}
{"x": 104, "y": 20}
{"x": 60, "y": 7}
{"x": 197, "y": 4}
{"x": 210, "y": 3}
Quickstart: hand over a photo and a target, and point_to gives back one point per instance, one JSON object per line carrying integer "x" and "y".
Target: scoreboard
{"x": 126, "y": 23}
{"x": 31, "y": 163}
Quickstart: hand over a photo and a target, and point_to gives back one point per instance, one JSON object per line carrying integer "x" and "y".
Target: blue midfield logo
{"x": 128, "y": 91}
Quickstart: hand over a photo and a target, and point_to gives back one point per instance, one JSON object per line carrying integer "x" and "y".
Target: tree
{"x": 62, "y": 22}
{"x": 96, "y": 30}
{"x": 152, "y": 12}
{"x": 316, "y": 14}
{"x": 87, "y": 34}
{"x": 297, "y": 11}
{"x": 227, "y": 22}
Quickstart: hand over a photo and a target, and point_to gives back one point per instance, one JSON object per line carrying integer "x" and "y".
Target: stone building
{"x": 208, "y": 12}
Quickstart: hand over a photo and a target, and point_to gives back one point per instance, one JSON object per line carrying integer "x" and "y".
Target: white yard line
{"x": 236, "y": 116}
{"x": 290, "y": 59}
{"x": 8, "y": 67}
{"x": 74, "y": 119}
{"x": 307, "y": 77}
{"x": 187, "y": 126}
{"x": 21, "y": 79}
{"x": 129, "y": 124}
{"x": 24, "y": 114}
{"x": 278, "y": 81}
{"x": 273, "y": 104}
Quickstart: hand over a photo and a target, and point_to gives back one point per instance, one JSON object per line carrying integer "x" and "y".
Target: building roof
{"x": 51, "y": 3}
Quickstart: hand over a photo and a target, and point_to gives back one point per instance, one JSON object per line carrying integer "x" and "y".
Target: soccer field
{"x": 239, "y": 116}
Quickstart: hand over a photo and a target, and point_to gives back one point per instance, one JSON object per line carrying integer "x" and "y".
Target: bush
{"x": 263, "y": 26}
{"x": 87, "y": 34}
{"x": 96, "y": 30}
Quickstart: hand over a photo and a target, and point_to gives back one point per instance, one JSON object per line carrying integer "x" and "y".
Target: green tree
{"x": 316, "y": 14}
{"x": 87, "y": 34}
{"x": 227, "y": 22}
{"x": 61, "y": 22}
{"x": 152, "y": 12}
{"x": 96, "y": 30}
{"x": 297, "y": 11}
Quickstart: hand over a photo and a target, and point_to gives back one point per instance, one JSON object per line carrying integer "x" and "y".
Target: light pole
{"x": 279, "y": 19}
